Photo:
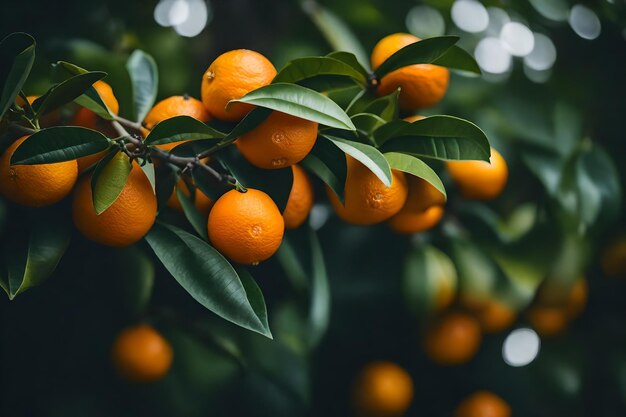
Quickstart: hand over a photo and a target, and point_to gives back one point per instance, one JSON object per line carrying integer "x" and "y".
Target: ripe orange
{"x": 280, "y": 141}
{"x": 246, "y": 227}
{"x": 383, "y": 389}
{"x": 300, "y": 199}
{"x": 480, "y": 180}
{"x": 495, "y": 316}
{"x": 172, "y": 107}
{"x": 421, "y": 85}
{"x": 547, "y": 321}
{"x": 453, "y": 339}
{"x": 202, "y": 202}
{"x": 141, "y": 354}
{"x": 577, "y": 298}
{"x": 483, "y": 404}
{"x": 408, "y": 223}
{"x": 126, "y": 221}
{"x": 367, "y": 199}
{"x": 86, "y": 118}
{"x": 231, "y": 76}
{"x": 35, "y": 185}
{"x": 613, "y": 260}
{"x": 422, "y": 209}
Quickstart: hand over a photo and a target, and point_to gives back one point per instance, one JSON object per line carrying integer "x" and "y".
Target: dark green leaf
{"x": 109, "y": 179}
{"x": 319, "y": 311}
{"x": 287, "y": 257}
{"x": 144, "y": 77}
{"x": 17, "y": 54}
{"x": 302, "y": 68}
{"x": 62, "y": 70}
{"x": 31, "y": 262}
{"x": 327, "y": 83}
{"x": 181, "y": 128}
{"x": 196, "y": 219}
{"x": 65, "y": 92}
{"x": 91, "y": 100}
{"x": 367, "y": 123}
{"x": 350, "y": 59}
{"x": 415, "y": 166}
{"x": 275, "y": 182}
{"x": 459, "y": 59}
{"x": 57, "y": 144}
{"x": 134, "y": 279}
{"x": 367, "y": 155}
{"x": 425, "y": 51}
{"x": 148, "y": 169}
{"x": 255, "y": 296}
{"x": 300, "y": 102}
{"x": 337, "y": 32}
{"x": 438, "y": 137}
{"x": 209, "y": 278}
{"x": 208, "y": 184}
{"x": 249, "y": 122}
{"x": 328, "y": 162}
{"x": 385, "y": 107}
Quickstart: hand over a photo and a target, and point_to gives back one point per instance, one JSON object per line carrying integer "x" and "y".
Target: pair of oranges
{"x": 384, "y": 389}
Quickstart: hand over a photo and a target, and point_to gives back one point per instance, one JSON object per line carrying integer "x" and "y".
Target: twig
{"x": 128, "y": 123}
{"x": 22, "y": 130}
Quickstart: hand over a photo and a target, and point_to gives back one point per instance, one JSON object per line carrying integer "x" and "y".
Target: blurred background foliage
{"x": 559, "y": 128}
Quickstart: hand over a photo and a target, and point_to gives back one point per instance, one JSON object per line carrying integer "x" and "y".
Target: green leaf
{"x": 275, "y": 182}
{"x": 438, "y": 137}
{"x": 328, "y": 162}
{"x": 62, "y": 70}
{"x": 17, "y": 54}
{"x": 196, "y": 219}
{"x": 337, "y": 32}
{"x": 109, "y": 179}
{"x": 350, "y": 59}
{"x": 148, "y": 169}
{"x": 65, "y": 92}
{"x": 181, "y": 128}
{"x": 133, "y": 280}
{"x": 300, "y": 102}
{"x": 209, "y": 278}
{"x": 415, "y": 166}
{"x": 367, "y": 123}
{"x": 287, "y": 257}
{"x": 425, "y": 51}
{"x": 386, "y": 107}
{"x": 208, "y": 184}
{"x": 32, "y": 261}
{"x": 303, "y": 68}
{"x": 255, "y": 296}
{"x": 319, "y": 311}
{"x": 144, "y": 77}
{"x": 459, "y": 59}
{"x": 367, "y": 155}
{"x": 248, "y": 123}
{"x": 58, "y": 144}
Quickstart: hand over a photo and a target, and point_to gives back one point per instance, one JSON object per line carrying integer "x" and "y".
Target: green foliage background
{"x": 55, "y": 339}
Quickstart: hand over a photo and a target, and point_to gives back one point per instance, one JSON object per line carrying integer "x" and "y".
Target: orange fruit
{"x": 547, "y": 321}
{"x": 422, "y": 209}
{"x": 383, "y": 389}
{"x": 453, "y": 339}
{"x": 613, "y": 260}
{"x": 300, "y": 199}
{"x": 202, "y": 202}
{"x": 408, "y": 223}
{"x": 495, "y": 316}
{"x": 414, "y": 118}
{"x": 577, "y": 298}
{"x": 172, "y": 107}
{"x": 35, "y": 185}
{"x": 86, "y": 118}
{"x": 421, "y": 85}
{"x": 126, "y": 221}
{"x": 367, "y": 199}
{"x": 480, "y": 180}
{"x": 231, "y": 76}
{"x": 246, "y": 227}
{"x": 483, "y": 404}
{"x": 141, "y": 354}
{"x": 280, "y": 141}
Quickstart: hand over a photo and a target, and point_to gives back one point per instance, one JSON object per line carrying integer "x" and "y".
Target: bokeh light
{"x": 584, "y": 22}
{"x": 425, "y": 22}
{"x": 187, "y": 17}
{"x": 543, "y": 55}
{"x": 199, "y": 15}
{"x": 492, "y": 56}
{"x": 520, "y": 347}
{"x": 517, "y": 39}
{"x": 318, "y": 216}
{"x": 470, "y": 15}
{"x": 497, "y": 19}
